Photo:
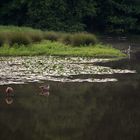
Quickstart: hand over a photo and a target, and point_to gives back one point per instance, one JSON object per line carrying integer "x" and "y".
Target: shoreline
{"x": 48, "y": 48}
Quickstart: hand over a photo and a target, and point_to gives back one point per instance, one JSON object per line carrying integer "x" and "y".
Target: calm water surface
{"x": 73, "y": 110}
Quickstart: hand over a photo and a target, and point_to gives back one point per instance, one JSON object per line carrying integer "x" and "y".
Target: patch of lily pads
{"x": 20, "y": 70}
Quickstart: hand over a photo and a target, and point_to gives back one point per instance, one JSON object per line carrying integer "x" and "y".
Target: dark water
{"x": 122, "y": 42}
{"x": 99, "y": 111}
{"x": 75, "y": 111}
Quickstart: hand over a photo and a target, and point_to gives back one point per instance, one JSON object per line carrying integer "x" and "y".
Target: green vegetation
{"x": 78, "y": 39}
{"x": 22, "y": 35}
{"x": 19, "y": 35}
{"x": 59, "y": 49}
{"x": 106, "y": 16}
{"x": 19, "y": 41}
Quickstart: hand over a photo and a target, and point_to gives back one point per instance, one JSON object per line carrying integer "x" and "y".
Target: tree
{"x": 111, "y": 16}
{"x": 61, "y": 15}
{"x": 13, "y": 12}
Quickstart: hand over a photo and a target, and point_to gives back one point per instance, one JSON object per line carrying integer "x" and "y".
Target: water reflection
{"x": 76, "y": 111}
{"x": 9, "y": 100}
{"x": 45, "y": 93}
{"x": 45, "y": 90}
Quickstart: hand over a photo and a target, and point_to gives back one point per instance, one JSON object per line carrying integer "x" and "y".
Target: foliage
{"x": 18, "y": 38}
{"x": 114, "y": 16}
{"x": 79, "y": 39}
{"x": 2, "y": 40}
{"x": 19, "y": 35}
{"x": 52, "y": 36}
{"x": 24, "y": 35}
{"x": 59, "y": 49}
{"x": 124, "y": 16}
{"x": 58, "y": 15}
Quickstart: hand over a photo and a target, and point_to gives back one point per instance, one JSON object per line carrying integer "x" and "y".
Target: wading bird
{"x": 129, "y": 49}
{"x": 9, "y": 91}
{"x": 45, "y": 90}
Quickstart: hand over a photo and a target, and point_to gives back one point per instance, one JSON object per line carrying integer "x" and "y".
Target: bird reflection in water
{"x": 45, "y": 90}
{"x": 9, "y": 100}
{"x": 9, "y": 92}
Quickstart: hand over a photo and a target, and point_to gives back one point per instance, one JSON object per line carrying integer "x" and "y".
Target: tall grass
{"x": 19, "y": 35}
{"x": 18, "y": 41}
{"x": 80, "y": 39}
{"x": 25, "y": 35}
{"x": 52, "y": 36}
{"x": 16, "y": 29}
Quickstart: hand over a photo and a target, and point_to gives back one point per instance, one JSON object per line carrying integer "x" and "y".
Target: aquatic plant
{"x": 19, "y": 70}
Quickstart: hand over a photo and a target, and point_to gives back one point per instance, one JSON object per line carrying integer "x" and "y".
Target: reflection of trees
{"x": 74, "y": 111}
{"x": 121, "y": 119}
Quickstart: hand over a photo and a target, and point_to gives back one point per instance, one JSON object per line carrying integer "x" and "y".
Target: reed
{"x": 25, "y": 35}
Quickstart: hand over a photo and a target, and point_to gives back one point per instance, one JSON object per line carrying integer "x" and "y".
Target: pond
{"x": 89, "y": 99}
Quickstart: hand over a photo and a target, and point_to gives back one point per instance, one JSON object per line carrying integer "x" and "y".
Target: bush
{"x": 66, "y": 39}
{"x": 25, "y": 36}
{"x": 19, "y": 38}
{"x": 79, "y": 39}
{"x": 2, "y": 39}
{"x": 52, "y": 36}
{"x": 19, "y": 35}
{"x": 36, "y": 36}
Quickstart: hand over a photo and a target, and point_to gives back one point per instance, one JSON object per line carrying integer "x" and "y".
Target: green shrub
{"x": 4, "y": 38}
{"x": 35, "y": 36}
{"x": 11, "y": 28}
{"x": 66, "y": 39}
{"x": 23, "y": 36}
{"x": 52, "y": 36}
{"x": 19, "y": 35}
{"x": 79, "y": 39}
{"x": 19, "y": 38}
{"x": 1, "y": 42}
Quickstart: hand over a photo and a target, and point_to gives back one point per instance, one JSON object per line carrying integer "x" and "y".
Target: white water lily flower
{"x": 34, "y": 69}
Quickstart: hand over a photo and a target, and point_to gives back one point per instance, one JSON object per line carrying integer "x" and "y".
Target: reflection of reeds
{"x": 45, "y": 94}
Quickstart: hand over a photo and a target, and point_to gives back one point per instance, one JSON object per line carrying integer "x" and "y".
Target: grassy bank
{"x": 19, "y": 41}
{"x": 59, "y": 49}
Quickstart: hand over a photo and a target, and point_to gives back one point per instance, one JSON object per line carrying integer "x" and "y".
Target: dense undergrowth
{"x": 25, "y": 41}
{"x": 24, "y": 35}
{"x": 60, "y": 49}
